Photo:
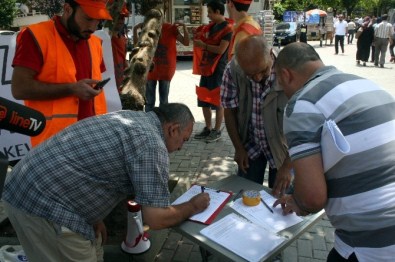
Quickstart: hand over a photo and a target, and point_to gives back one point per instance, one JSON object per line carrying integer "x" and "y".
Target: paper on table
{"x": 333, "y": 144}
{"x": 217, "y": 200}
{"x": 242, "y": 237}
{"x": 260, "y": 215}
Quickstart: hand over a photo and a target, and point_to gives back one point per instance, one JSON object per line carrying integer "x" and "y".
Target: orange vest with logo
{"x": 59, "y": 67}
{"x": 204, "y": 61}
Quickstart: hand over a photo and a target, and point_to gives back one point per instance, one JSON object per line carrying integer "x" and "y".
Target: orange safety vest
{"x": 205, "y": 62}
{"x": 58, "y": 67}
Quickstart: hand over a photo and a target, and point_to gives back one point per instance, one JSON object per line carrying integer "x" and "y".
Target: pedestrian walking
{"x": 383, "y": 35}
{"x": 340, "y": 27}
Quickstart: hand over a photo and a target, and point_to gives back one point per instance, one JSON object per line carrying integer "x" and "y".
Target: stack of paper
{"x": 218, "y": 200}
{"x": 242, "y": 237}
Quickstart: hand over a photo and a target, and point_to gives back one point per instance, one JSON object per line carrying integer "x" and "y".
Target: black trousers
{"x": 339, "y": 38}
{"x": 334, "y": 256}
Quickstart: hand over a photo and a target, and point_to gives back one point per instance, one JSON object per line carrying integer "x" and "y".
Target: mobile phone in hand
{"x": 101, "y": 84}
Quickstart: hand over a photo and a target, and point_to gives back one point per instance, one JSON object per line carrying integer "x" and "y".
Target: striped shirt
{"x": 75, "y": 178}
{"x": 361, "y": 184}
{"x": 257, "y": 143}
{"x": 384, "y": 30}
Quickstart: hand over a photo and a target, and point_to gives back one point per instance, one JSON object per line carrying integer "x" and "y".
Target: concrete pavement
{"x": 202, "y": 163}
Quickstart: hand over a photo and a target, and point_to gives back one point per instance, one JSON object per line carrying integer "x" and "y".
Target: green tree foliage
{"x": 278, "y": 10}
{"x": 349, "y": 5}
{"x": 48, "y": 7}
{"x": 376, "y": 7}
{"x": 7, "y": 13}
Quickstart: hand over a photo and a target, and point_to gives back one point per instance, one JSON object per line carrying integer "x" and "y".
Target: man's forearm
{"x": 160, "y": 218}
{"x": 231, "y": 127}
{"x": 36, "y": 90}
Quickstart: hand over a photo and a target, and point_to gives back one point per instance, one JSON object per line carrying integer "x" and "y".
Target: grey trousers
{"x": 42, "y": 242}
{"x": 381, "y": 46}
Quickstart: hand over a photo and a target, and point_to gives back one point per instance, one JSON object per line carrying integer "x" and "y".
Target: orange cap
{"x": 244, "y": 2}
{"x": 95, "y": 9}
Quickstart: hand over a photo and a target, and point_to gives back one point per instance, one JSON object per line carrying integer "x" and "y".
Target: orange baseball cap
{"x": 95, "y": 9}
{"x": 244, "y": 2}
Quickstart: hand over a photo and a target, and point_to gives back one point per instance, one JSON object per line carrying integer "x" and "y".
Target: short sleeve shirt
{"x": 75, "y": 178}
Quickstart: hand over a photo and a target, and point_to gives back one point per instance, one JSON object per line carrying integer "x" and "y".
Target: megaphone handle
{"x": 139, "y": 225}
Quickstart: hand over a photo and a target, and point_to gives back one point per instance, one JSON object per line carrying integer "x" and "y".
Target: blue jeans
{"x": 150, "y": 93}
{"x": 256, "y": 171}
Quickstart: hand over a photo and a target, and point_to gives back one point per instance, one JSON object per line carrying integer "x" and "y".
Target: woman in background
{"x": 365, "y": 40}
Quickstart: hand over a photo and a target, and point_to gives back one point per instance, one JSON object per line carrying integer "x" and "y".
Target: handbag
{"x": 359, "y": 32}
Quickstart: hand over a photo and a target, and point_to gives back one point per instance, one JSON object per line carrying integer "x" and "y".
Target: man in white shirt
{"x": 382, "y": 36}
{"x": 340, "y": 31}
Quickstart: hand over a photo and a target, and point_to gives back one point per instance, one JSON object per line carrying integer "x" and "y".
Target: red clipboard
{"x": 218, "y": 200}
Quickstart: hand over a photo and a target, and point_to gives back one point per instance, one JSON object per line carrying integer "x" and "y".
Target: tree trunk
{"x": 133, "y": 90}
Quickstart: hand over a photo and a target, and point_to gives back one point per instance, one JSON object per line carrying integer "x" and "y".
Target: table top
{"x": 234, "y": 183}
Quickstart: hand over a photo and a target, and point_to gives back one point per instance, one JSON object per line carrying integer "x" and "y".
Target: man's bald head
{"x": 296, "y": 56}
{"x": 253, "y": 56}
{"x": 252, "y": 47}
{"x": 295, "y": 64}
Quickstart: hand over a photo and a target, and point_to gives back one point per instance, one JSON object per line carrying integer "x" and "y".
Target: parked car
{"x": 6, "y": 32}
{"x": 286, "y": 32}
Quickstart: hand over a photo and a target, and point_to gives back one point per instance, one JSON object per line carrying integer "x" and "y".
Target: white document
{"x": 242, "y": 237}
{"x": 217, "y": 201}
{"x": 334, "y": 145}
{"x": 260, "y": 215}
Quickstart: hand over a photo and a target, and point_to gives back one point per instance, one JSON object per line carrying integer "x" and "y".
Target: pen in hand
{"x": 266, "y": 205}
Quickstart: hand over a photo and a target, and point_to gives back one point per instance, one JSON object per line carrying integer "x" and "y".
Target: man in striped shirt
{"x": 357, "y": 189}
{"x": 382, "y": 36}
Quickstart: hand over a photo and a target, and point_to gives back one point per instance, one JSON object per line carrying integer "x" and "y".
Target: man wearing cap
{"x": 245, "y": 24}
{"x": 57, "y": 63}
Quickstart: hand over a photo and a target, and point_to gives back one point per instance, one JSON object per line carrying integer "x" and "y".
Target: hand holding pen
{"x": 200, "y": 201}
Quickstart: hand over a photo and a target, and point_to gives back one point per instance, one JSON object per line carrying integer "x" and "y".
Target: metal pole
{"x": 133, "y": 14}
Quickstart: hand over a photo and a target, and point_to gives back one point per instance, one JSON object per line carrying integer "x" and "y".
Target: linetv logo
{"x": 3, "y": 113}
{"x": 26, "y": 123}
